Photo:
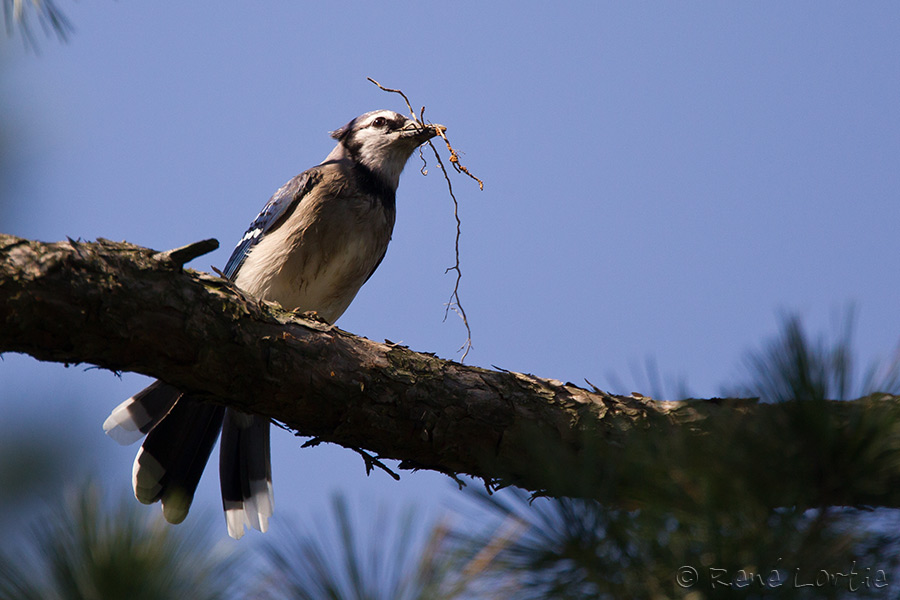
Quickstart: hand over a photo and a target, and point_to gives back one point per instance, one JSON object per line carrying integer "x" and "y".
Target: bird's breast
{"x": 321, "y": 255}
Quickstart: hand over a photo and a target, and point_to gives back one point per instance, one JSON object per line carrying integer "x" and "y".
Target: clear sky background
{"x": 662, "y": 181}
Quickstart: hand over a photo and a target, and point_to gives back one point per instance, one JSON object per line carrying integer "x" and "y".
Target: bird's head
{"x": 382, "y": 141}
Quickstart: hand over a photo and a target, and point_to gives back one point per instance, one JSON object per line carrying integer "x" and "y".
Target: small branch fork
{"x": 372, "y": 462}
{"x": 454, "y": 303}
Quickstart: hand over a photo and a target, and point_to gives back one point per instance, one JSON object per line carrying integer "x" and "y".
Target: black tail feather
{"x": 172, "y": 458}
{"x": 245, "y": 472}
{"x": 134, "y": 418}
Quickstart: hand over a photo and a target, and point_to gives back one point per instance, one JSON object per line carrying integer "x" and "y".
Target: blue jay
{"x": 315, "y": 243}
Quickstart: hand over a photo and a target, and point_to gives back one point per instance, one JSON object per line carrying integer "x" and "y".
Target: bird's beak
{"x": 423, "y": 134}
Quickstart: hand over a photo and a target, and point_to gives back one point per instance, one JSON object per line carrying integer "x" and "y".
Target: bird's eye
{"x": 379, "y": 122}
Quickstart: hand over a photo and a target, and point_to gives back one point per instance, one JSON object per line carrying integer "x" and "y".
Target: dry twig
{"x": 454, "y": 303}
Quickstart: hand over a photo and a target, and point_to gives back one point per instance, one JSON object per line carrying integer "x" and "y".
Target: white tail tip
{"x": 124, "y": 423}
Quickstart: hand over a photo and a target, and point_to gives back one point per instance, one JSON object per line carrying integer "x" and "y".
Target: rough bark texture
{"x": 124, "y": 307}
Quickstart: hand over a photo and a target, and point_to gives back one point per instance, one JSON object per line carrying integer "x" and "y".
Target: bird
{"x": 315, "y": 243}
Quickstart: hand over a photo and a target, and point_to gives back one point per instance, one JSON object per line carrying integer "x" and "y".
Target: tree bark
{"x": 123, "y": 307}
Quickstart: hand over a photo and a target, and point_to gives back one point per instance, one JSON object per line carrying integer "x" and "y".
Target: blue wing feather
{"x": 272, "y": 215}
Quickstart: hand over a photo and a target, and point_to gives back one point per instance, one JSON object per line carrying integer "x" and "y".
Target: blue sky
{"x": 662, "y": 180}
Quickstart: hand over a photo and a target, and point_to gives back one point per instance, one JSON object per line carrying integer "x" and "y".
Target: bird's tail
{"x": 181, "y": 432}
{"x": 245, "y": 472}
{"x": 134, "y": 418}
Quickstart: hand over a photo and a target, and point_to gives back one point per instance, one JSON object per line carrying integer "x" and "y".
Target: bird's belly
{"x": 327, "y": 285}
{"x": 321, "y": 275}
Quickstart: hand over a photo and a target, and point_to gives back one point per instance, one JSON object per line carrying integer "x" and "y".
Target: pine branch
{"x": 123, "y": 307}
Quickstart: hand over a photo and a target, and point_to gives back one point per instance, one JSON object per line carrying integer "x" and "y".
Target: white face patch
{"x": 379, "y": 144}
